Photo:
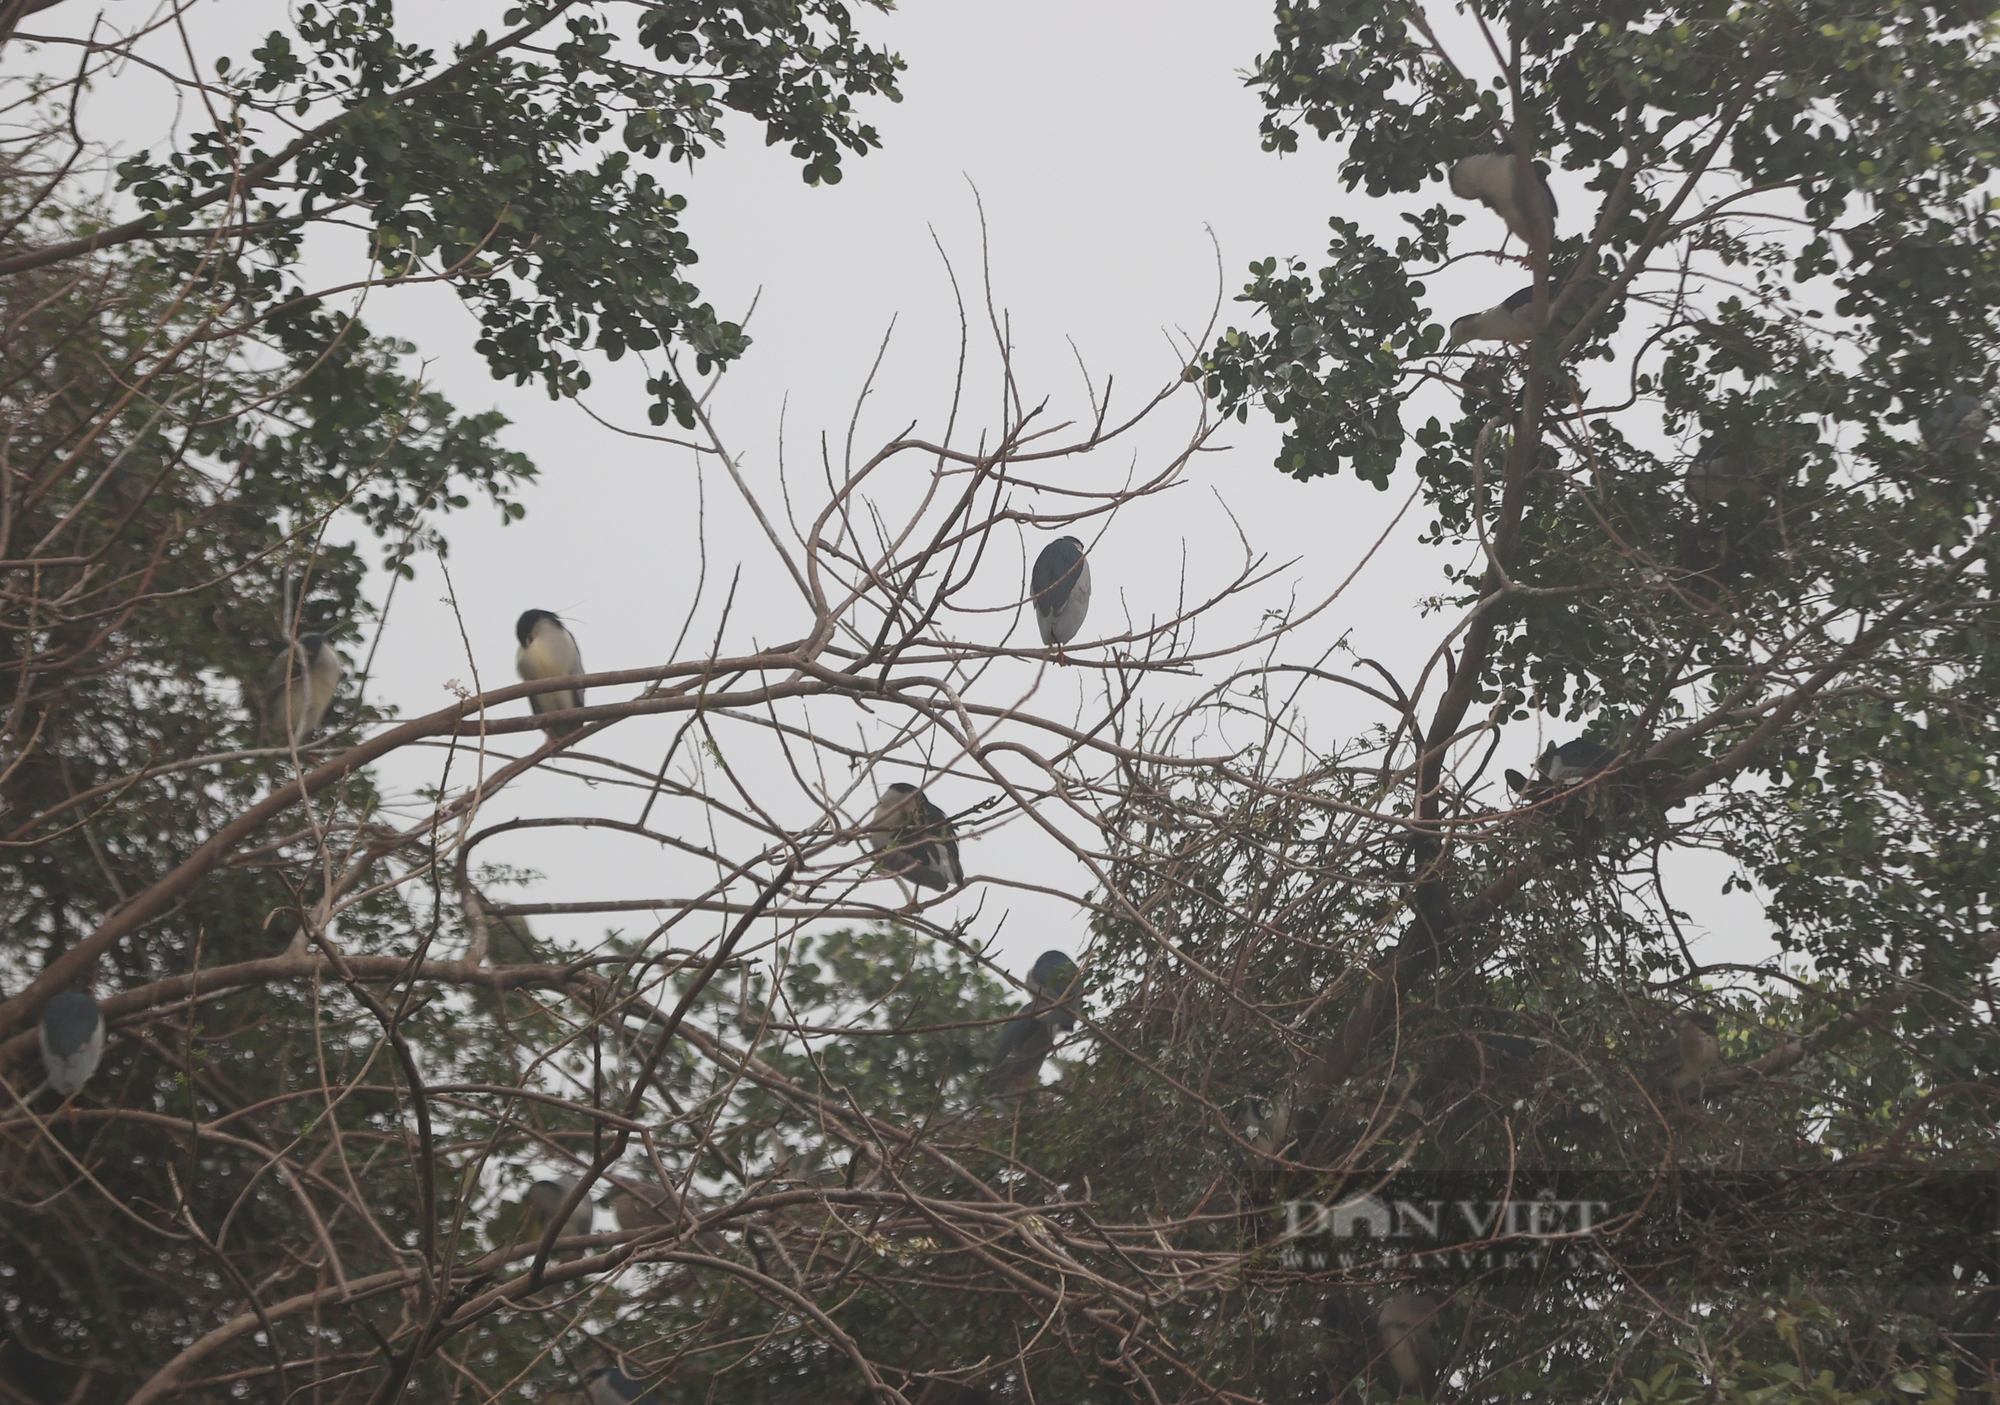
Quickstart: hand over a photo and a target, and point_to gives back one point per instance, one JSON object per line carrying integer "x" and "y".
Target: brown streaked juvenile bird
{"x": 1697, "y": 1049}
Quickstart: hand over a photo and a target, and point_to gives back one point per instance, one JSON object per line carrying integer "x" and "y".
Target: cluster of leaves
{"x": 488, "y": 168}
{"x": 1804, "y": 666}
{"x": 192, "y": 434}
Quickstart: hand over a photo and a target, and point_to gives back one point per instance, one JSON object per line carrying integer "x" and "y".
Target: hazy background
{"x": 1114, "y": 149}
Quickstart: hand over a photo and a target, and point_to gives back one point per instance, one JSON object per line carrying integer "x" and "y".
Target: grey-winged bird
{"x": 609, "y": 1385}
{"x": 1564, "y": 765}
{"x": 1052, "y": 979}
{"x": 1027, "y": 1039}
{"x": 1409, "y": 1344}
{"x": 1512, "y": 321}
{"x": 1515, "y": 320}
{"x": 914, "y": 839}
{"x": 1523, "y": 199}
{"x": 72, "y": 1040}
{"x": 1960, "y": 420}
{"x": 1714, "y": 473}
{"x": 1696, "y": 1050}
{"x": 1061, "y": 586}
{"x": 1024, "y": 1042}
{"x": 543, "y": 1200}
{"x": 548, "y": 650}
{"x": 635, "y": 1211}
{"x": 651, "y": 1207}
{"x": 299, "y": 689}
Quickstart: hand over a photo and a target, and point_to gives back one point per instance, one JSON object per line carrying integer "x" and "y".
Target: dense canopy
{"x": 1372, "y": 1063}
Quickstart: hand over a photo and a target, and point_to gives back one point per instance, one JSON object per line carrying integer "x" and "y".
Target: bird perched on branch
{"x": 635, "y": 1211}
{"x": 1515, "y": 319}
{"x": 541, "y": 1204}
{"x": 1514, "y": 190}
{"x": 1051, "y": 980}
{"x": 1563, "y": 765}
{"x": 642, "y": 1206}
{"x": 1714, "y": 473}
{"x": 299, "y": 689}
{"x": 1409, "y": 1345}
{"x": 1061, "y": 586}
{"x": 1027, "y": 1039}
{"x": 1268, "y": 1118}
{"x": 1697, "y": 1050}
{"x": 1512, "y": 320}
{"x": 914, "y": 839}
{"x": 1960, "y": 420}
{"x": 548, "y": 650}
{"x": 72, "y": 1037}
{"x": 609, "y": 1385}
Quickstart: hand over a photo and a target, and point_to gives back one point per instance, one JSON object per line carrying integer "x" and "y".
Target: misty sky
{"x": 1113, "y": 148}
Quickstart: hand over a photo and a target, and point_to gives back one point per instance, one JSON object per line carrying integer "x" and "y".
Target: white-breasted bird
{"x": 1512, "y": 321}
{"x": 1515, "y": 319}
{"x": 1061, "y": 586}
{"x": 1409, "y": 1344}
{"x": 1497, "y": 180}
{"x": 299, "y": 689}
{"x": 548, "y": 650}
{"x": 72, "y": 1040}
{"x": 914, "y": 839}
{"x": 1563, "y": 765}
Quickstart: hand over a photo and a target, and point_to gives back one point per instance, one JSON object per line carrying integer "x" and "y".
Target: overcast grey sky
{"x": 1115, "y": 149}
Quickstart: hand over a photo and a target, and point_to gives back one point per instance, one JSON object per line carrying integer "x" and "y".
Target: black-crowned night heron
{"x": 636, "y": 1211}
{"x": 914, "y": 839}
{"x": 300, "y": 688}
{"x": 72, "y": 1040}
{"x": 1061, "y": 586}
{"x": 1512, "y": 320}
{"x": 1513, "y": 190}
{"x": 1026, "y": 1040}
{"x": 1960, "y": 420}
{"x": 541, "y": 1204}
{"x": 1515, "y": 319}
{"x": 1714, "y": 473}
{"x": 609, "y": 1385}
{"x": 1696, "y": 1050}
{"x": 1051, "y": 980}
{"x": 548, "y": 650}
{"x": 1564, "y": 765}
{"x": 1404, "y": 1327}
